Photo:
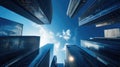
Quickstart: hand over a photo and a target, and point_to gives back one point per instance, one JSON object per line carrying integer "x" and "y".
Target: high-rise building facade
{"x": 101, "y": 14}
{"x": 98, "y": 32}
{"x": 77, "y": 57}
{"x": 10, "y": 28}
{"x": 54, "y": 62}
{"x": 44, "y": 58}
{"x": 106, "y": 50}
{"x": 97, "y": 19}
{"x": 15, "y": 50}
{"x": 30, "y": 43}
{"x": 39, "y": 11}
{"x": 74, "y": 6}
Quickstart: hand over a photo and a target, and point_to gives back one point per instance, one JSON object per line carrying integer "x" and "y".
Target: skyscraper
{"x": 19, "y": 42}
{"x": 10, "y": 28}
{"x": 77, "y": 57}
{"x": 39, "y": 11}
{"x": 54, "y": 62}
{"x": 102, "y": 24}
{"x": 45, "y": 57}
{"x": 105, "y": 49}
{"x": 74, "y": 6}
{"x": 101, "y": 14}
{"x": 15, "y": 50}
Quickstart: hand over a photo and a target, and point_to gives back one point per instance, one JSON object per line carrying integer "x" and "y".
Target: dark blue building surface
{"x": 10, "y": 28}
{"x": 54, "y": 62}
{"x": 16, "y": 50}
{"x": 77, "y": 57}
{"x": 107, "y": 50}
{"x": 44, "y": 58}
{"x": 39, "y": 11}
{"x": 60, "y": 65}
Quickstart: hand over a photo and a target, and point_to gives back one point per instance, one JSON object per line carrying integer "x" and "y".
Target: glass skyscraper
{"x": 10, "y": 28}
{"x": 39, "y": 11}
{"x": 74, "y": 6}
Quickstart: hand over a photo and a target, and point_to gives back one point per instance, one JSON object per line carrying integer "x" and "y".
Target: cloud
{"x": 47, "y": 36}
{"x": 65, "y": 35}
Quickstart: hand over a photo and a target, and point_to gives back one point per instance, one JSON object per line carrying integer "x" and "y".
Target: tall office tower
{"x": 10, "y": 28}
{"x": 38, "y": 11}
{"x": 15, "y": 50}
{"x": 100, "y": 14}
{"x": 19, "y": 42}
{"x": 77, "y": 57}
{"x": 98, "y": 32}
{"x": 97, "y": 18}
{"x": 74, "y": 6}
{"x": 44, "y": 58}
{"x": 54, "y": 62}
{"x": 106, "y": 50}
{"x": 112, "y": 33}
